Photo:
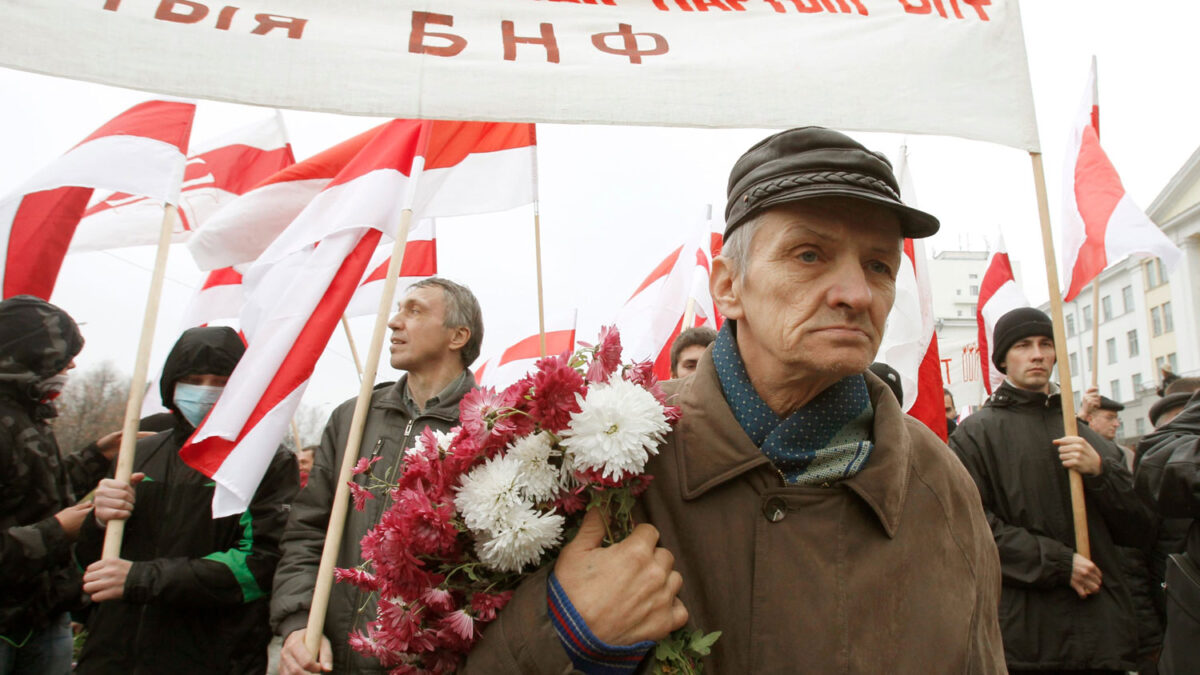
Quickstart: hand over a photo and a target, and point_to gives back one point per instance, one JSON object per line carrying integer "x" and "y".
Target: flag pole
{"x": 358, "y": 366}
{"x": 1095, "y": 361}
{"x": 1078, "y": 508}
{"x": 115, "y": 529}
{"x": 341, "y": 499}
{"x": 689, "y": 314}
{"x": 296, "y": 436}
{"x": 537, "y": 248}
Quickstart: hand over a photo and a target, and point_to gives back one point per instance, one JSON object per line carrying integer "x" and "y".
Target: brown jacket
{"x": 893, "y": 570}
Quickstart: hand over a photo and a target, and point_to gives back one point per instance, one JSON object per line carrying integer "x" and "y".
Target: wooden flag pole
{"x": 353, "y": 347}
{"x": 537, "y": 248}
{"x": 1079, "y": 510}
{"x": 689, "y": 315}
{"x": 296, "y": 436}
{"x": 341, "y": 498}
{"x": 115, "y": 530}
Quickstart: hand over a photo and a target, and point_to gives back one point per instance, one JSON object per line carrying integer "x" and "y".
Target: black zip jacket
{"x": 1007, "y": 448}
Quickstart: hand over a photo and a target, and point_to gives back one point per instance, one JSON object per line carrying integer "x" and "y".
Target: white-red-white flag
{"x": 298, "y": 289}
{"x": 653, "y": 316}
{"x": 1101, "y": 223}
{"x": 998, "y": 295}
{"x": 219, "y": 298}
{"x": 909, "y": 344}
{"x": 420, "y": 262}
{"x": 217, "y": 172}
{"x": 141, "y": 151}
{"x": 519, "y": 358}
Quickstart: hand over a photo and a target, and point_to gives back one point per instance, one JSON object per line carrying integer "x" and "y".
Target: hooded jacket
{"x": 1008, "y": 449}
{"x": 196, "y": 597}
{"x": 38, "y": 576}
{"x": 392, "y": 426}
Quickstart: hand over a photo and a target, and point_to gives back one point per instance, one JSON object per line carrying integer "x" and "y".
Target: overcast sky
{"x": 615, "y": 200}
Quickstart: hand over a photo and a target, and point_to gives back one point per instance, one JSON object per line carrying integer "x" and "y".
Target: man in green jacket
{"x": 436, "y": 334}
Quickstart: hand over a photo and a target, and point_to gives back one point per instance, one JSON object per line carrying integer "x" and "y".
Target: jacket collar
{"x": 395, "y": 397}
{"x": 1008, "y": 394}
{"x": 713, "y": 449}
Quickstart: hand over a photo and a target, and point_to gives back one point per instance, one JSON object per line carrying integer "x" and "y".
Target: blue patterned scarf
{"x": 826, "y": 441}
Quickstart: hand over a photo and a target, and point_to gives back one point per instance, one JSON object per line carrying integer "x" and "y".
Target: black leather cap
{"x": 810, "y": 162}
{"x": 1166, "y": 404}
{"x": 1107, "y": 403}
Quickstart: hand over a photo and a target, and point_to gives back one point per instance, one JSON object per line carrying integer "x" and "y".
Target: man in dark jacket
{"x": 38, "y": 519}
{"x": 1169, "y": 475}
{"x": 436, "y": 333}
{"x": 1059, "y": 611}
{"x": 189, "y": 593}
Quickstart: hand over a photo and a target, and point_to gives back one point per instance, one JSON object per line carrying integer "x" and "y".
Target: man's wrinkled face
{"x": 1029, "y": 362}
{"x": 1106, "y": 423}
{"x": 818, "y": 285}
{"x": 419, "y": 334}
{"x": 688, "y": 358}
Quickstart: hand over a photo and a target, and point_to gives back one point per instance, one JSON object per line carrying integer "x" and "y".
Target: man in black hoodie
{"x": 1059, "y": 611}
{"x": 189, "y": 593}
{"x": 39, "y": 519}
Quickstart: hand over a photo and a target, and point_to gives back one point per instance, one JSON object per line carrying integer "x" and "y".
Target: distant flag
{"x": 653, "y": 316}
{"x": 517, "y": 359}
{"x": 219, "y": 298}
{"x": 420, "y": 262}
{"x": 216, "y": 174}
{"x": 141, "y": 151}
{"x": 998, "y": 295}
{"x": 299, "y": 288}
{"x": 909, "y": 343}
{"x": 1101, "y": 223}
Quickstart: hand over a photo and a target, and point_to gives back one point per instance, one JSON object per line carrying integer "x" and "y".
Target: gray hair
{"x": 462, "y": 310}
{"x": 736, "y": 249}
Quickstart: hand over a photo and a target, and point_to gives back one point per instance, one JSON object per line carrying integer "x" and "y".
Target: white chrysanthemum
{"x": 489, "y": 495}
{"x": 441, "y": 441}
{"x": 619, "y": 425}
{"x": 529, "y": 536}
{"x": 538, "y": 478}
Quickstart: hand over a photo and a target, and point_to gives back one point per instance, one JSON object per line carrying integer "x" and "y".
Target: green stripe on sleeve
{"x": 235, "y": 560}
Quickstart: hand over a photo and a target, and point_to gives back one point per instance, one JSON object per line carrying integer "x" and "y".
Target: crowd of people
{"x": 795, "y": 507}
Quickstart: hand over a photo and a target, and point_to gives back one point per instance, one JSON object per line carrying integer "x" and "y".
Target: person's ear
{"x": 726, "y": 287}
{"x": 459, "y": 337}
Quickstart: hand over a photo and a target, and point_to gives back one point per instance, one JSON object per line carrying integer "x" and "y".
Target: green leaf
{"x": 701, "y": 643}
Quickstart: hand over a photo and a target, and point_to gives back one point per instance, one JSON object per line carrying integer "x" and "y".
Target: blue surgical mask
{"x": 195, "y": 400}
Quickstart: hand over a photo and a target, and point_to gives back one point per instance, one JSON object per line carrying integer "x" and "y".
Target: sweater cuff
{"x": 588, "y": 653}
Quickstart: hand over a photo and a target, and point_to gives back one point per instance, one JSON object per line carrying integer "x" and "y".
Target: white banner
{"x": 946, "y": 67}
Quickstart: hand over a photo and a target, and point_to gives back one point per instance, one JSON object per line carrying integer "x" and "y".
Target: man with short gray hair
{"x": 794, "y": 507}
{"x": 436, "y": 334}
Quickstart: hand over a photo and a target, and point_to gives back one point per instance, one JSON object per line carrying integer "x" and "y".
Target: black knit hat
{"x": 1018, "y": 324}
{"x": 810, "y": 162}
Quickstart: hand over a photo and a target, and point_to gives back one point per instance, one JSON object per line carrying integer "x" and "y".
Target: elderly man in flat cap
{"x": 794, "y": 508}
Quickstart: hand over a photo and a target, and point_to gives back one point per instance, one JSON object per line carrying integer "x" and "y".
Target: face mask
{"x": 50, "y": 388}
{"x": 195, "y": 400}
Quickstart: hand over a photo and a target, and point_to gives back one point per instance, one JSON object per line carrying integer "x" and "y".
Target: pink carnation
{"x": 364, "y": 464}
{"x": 356, "y": 577}
{"x": 487, "y": 605}
{"x": 360, "y": 495}
{"x": 607, "y": 357}
{"x": 553, "y": 396}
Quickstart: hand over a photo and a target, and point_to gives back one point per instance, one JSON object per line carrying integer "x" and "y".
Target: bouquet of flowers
{"x": 476, "y": 509}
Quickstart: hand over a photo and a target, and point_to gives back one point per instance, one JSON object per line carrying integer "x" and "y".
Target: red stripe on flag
{"x": 663, "y": 269}
{"x": 208, "y": 455}
{"x": 998, "y": 273}
{"x": 226, "y": 276}
{"x": 41, "y": 232}
{"x": 930, "y": 406}
{"x": 327, "y": 163}
{"x": 716, "y": 243}
{"x": 238, "y": 168}
{"x": 451, "y": 142}
{"x": 557, "y": 342}
{"x": 166, "y": 121}
{"x": 662, "y": 364}
{"x": 420, "y": 260}
{"x": 391, "y": 148}
{"x": 1098, "y": 189}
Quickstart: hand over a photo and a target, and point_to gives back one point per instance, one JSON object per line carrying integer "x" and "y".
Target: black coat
{"x": 196, "y": 598}
{"x": 1169, "y": 472}
{"x": 1007, "y": 448}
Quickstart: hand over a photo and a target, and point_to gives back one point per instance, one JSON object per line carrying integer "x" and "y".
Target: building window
{"x": 1156, "y": 321}
{"x": 974, "y": 291}
{"x": 1155, "y": 274}
{"x": 1071, "y": 358}
{"x": 1087, "y": 317}
{"x": 1173, "y": 362}
{"x": 1070, "y": 325}
{"x": 1133, "y": 342}
{"x": 1106, "y": 307}
{"x": 959, "y": 311}
{"x": 1089, "y": 357}
{"x": 1160, "y": 364}
{"x": 1141, "y": 426}
{"x": 1110, "y": 345}
{"x": 1168, "y": 320}
{"x": 958, "y": 291}
{"x": 1116, "y": 390}
{"x": 972, "y": 276}
{"x": 1127, "y": 298}
{"x": 1137, "y": 384}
